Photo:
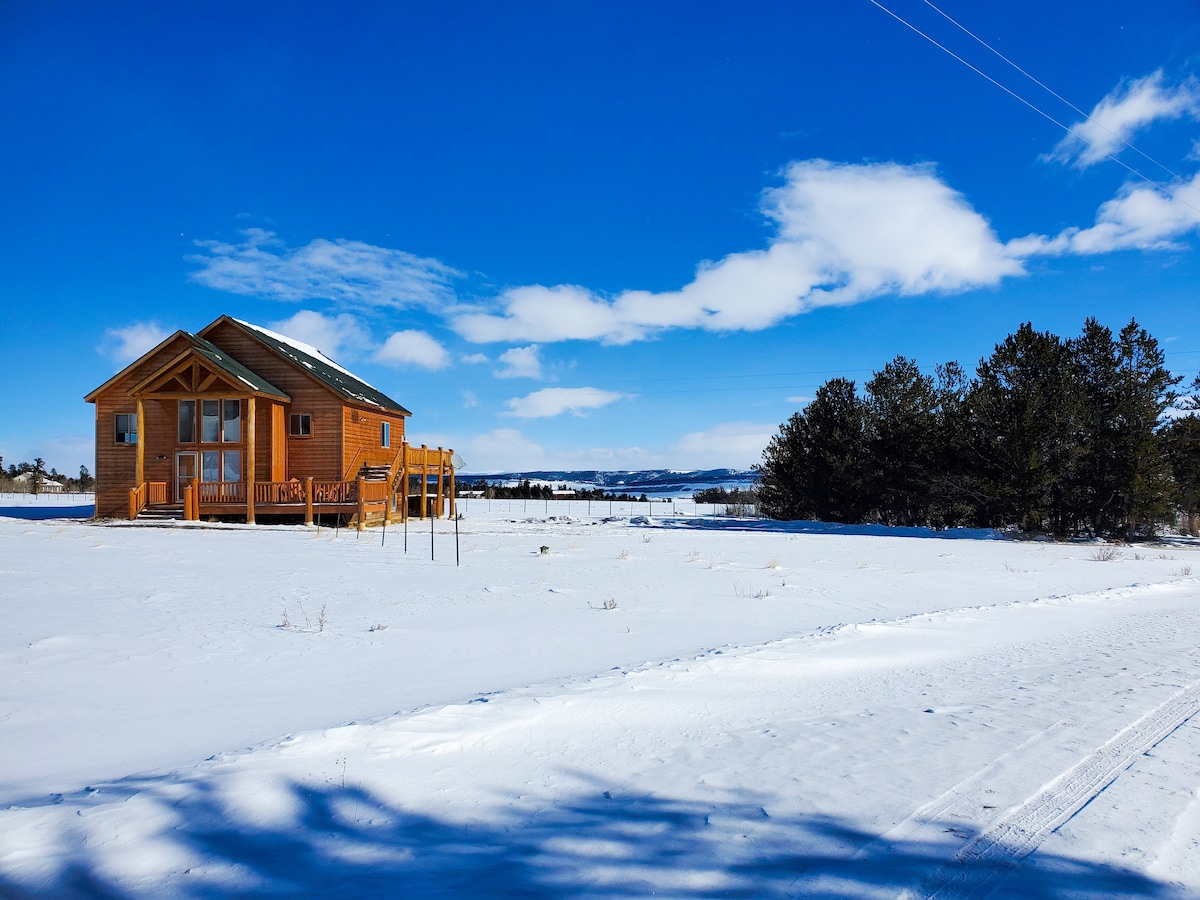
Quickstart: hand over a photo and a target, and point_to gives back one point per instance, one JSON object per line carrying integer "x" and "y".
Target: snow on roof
{"x": 307, "y": 349}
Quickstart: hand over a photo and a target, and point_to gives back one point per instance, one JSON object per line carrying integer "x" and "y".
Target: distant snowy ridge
{"x": 647, "y": 481}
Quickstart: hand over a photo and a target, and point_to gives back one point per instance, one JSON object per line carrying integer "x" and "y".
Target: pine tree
{"x": 902, "y": 427}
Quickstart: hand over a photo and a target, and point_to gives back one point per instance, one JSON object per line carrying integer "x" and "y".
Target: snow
{"x": 656, "y": 704}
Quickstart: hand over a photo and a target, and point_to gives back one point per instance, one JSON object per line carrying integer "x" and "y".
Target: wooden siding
{"x": 116, "y": 464}
{"x": 318, "y": 456}
{"x": 361, "y": 445}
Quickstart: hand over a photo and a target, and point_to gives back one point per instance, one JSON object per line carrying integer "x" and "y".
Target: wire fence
{"x": 584, "y": 508}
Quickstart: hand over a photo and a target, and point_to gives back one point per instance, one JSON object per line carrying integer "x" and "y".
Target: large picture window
{"x": 126, "y": 428}
{"x": 220, "y": 421}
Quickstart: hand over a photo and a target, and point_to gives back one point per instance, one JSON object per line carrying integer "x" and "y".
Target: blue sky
{"x": 587, "y": 235}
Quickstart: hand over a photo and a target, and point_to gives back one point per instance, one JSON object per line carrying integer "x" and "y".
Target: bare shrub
{"x": 1106, "y": 554}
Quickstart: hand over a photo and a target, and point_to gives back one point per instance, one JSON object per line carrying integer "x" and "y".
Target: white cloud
{"x": 502, "y": 450}
{"x": 337, "y": 337}
{"x": 1140, "y": 218}
{"x": 732, "y": 445}
{"x": 1122, "y": 113}
{"x": 520, "y": 362}
{"x": 349, "y": 273}
{"x": 475, "y": 359}
{"x": 412, "y": 348}
{"x": 556, "y": 401}
{"x": 844, "y": 233}
{"x": 469, "y": 400}
{"x": 126, "y": 344}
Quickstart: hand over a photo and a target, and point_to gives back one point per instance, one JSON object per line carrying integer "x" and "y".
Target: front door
{"x": 187, "y": 470}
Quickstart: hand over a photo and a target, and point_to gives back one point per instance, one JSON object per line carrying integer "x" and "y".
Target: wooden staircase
{"x": 161, "y": 513}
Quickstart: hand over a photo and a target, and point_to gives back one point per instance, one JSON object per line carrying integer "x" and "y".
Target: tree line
{"x": 38, "y": 475}
{"x": 1063, "y": 436}
{"x": 527, "y": 490}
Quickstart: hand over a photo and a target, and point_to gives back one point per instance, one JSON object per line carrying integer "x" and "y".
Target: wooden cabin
{"x": 237, "y": 421}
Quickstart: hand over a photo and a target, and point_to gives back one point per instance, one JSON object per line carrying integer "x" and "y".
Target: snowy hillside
{"x": 586, "y": 707}
{"x": 652, "y": 482}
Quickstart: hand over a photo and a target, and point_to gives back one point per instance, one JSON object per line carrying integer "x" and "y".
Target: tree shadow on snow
{"x": 807, "y": 527}
{"x": 345, "y": 842}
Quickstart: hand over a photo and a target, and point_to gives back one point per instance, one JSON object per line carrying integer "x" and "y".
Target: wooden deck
{"x": 420, "y": 481}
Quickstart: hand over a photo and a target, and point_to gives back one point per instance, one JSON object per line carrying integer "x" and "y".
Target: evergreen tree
{"x": 901, "y": 417}
{"x": 1022, "y": 404}
{"x": 816, "y": 466}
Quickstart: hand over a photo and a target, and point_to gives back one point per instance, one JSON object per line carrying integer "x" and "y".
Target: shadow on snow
{"x": 811, "y": 527}
{"x": 345, "y": 842}
{"x": 85, "y": 511}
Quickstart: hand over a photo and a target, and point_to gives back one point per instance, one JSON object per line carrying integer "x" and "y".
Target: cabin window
{"x": 126, "y": 428}
{"x": 187, "y": 421}
{"x": 231, "y": 420}
{"x": 210, "y": 466}
{"x": 301, "y": 425}
{"x": 385, "y": 434}
{"x": 210, "y": 421}
{"x": 221, "y": 465}
{"x": 231, "y": 465}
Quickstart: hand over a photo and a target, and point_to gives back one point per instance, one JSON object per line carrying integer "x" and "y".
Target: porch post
{"x": 453, "y": 507}
{"x": 249, "y": 466}
{"x": 187, "y": 504}
{"x": 141, "y": 442}
{"x": 441, "y": 484}
{"x": 308, "y": 500}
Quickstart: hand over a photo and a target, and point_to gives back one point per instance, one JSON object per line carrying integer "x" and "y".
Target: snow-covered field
{"x": 686, "y": 707}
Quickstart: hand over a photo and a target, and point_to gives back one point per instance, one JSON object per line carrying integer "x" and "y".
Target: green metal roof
{"x": 223, "y": 360}
{"x": 324, "y": 369}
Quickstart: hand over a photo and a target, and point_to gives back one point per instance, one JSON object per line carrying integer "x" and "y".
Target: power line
{"x": 1158, "y": 186}
{"x": 1054, "y": 93}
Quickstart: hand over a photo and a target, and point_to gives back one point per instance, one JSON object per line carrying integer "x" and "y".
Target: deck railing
{"x": 222, "y": 492}
{"x": 156, "y": 494}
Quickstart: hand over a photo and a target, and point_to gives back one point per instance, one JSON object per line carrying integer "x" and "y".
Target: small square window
{"x": 126, "y": 428}
{"x": 300, "y": 425}
{"x": 385, "y": 434}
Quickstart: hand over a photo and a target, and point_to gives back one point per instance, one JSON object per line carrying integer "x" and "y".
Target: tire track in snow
{"x": 991, "y": 856}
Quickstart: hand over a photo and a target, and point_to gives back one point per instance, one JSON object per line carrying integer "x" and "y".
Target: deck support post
{"x": 133, "y": 510}
{"x": 187, "y": 504}
{"x": 308, "y": 517}
{"x": 424, "y": 481}
{"x": 441, "y": 484}
{"x": 404, "y": 480}
{"x": 453, "y": 491}
{"x": 195, "y": 488}
{"x": 249, "y": 465}
{"x": 362, "y": 506}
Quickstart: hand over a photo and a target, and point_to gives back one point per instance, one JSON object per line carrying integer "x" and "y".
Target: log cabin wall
{"x": 116, "y": 464}
{"x": 317, "y": 455}
{"x": 363, "y": 444}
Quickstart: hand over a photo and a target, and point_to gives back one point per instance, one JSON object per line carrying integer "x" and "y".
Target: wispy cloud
{"x": 349, "y": 273}
{"x": 338, "y": 337}
{"x": 412, "y": 348}
{"x": 1140, "y": 217}
{"x": 1125, "y": 111}
{"x": 128, "y": 343}
{"x": 556, "y": 401}
{"x": 844, "y": 233}
{"x": 520, "y": 362}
